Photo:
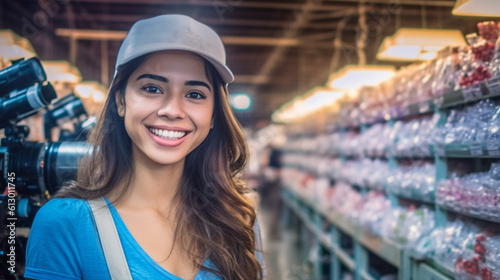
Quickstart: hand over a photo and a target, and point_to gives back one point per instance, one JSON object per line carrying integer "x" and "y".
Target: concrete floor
{"x": 282, "y": 253}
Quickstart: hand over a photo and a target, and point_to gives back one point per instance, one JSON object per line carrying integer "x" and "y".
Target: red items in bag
{"x": 480, "y": 74}
{"x": 478, "y": 246}
{"x": 488, "y": 30}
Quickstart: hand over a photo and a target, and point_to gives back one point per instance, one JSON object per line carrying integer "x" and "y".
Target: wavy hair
{"x": 215, "y": 216}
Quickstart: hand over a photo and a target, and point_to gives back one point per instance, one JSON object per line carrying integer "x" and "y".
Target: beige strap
{"x": 110, "y": 241}
{"x": 258, "y": 247}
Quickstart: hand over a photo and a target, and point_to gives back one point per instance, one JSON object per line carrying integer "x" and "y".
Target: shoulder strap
{"x": 110, "y": 241}
{"x": 258, "y": 247}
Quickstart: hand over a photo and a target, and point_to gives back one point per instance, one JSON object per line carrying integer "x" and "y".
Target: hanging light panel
{"x": 352, "y": 77}
{"x": 91, "y": 89}
{"x": 412, "y": 44}
{"x": 13, "y": 46}
{"x": 304, "y": 105}
{"x": 477, "y": 8}
{"x": 61, "y": 71}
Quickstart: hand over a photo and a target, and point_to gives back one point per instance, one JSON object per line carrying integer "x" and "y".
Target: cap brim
{"x": 226, "y": 74}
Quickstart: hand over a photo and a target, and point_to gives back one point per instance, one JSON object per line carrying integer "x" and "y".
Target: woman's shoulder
{"x": 62, "y": 210}
{"x": 65, "y": 204}
{"x": 62, "y": 243}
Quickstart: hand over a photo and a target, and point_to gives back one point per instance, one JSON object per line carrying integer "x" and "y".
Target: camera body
{"x": 30, "y": 171}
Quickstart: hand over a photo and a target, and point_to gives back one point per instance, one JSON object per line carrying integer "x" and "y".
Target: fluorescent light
{"x": 98, "y": 96}
{"x": 410, "y": 44}
{"x": 356, "y": 76}
{"x": 240, "y": 101}
{"x": 61, "y": 71}
{"x": 13, "y": 46}
{"x": 91, "y": 89}
{"x": 320, "y": 98}
{"x": 84, "y": 90}
{"x": 302, "y": 106}
{"x": 13, "y": 52}
{"x": 484, "y": 8}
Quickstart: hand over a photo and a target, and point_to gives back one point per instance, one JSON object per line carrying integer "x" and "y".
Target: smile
{"x": 167, "y": 134}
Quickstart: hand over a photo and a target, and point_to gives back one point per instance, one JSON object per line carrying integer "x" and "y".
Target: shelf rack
{"x": 312, "y": 215}
{"x": 409, "y": 266}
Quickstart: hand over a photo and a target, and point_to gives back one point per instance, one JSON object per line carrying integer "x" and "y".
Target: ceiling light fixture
{"x": 13, "y": 46}
{"x": 240, "y": 101}
{"x": 477, "y": 8}
{"x": 412, "y": 44}
{"x": 61, "y": 71}
{"x": 91, "y": 89}
{"x": 300, "y": 107}
{"x": 352, "y": 77}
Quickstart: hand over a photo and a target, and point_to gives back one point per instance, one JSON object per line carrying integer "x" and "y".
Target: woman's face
{"x": 168, "y": 107}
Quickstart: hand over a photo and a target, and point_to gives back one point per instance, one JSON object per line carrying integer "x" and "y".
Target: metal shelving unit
{"x": 409, "y": 266}
{"x": 456, "y": 98}
{"x": 363, "y": 242}
{"x": 480, "y": 150}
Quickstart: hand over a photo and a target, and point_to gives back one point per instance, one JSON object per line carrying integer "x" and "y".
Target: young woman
{"x": 166, "y": 159}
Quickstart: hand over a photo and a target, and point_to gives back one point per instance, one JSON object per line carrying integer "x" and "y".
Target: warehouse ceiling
{"x": 277, "y": 49}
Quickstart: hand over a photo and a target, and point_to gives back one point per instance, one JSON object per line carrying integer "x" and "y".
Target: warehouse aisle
{"x": 281, "y": 253}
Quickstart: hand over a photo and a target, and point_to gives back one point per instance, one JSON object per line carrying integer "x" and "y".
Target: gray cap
{"x": 174, "y": 32}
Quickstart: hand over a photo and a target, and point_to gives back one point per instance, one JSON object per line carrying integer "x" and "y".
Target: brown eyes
{"x": 195, "y": 95}
{"x": 152, "y": 89}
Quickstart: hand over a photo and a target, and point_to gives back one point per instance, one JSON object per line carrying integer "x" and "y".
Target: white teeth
{"x": 168, "y": 134}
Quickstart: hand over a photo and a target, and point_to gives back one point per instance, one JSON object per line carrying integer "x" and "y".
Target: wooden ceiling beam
{"x": 48, "y": 30}
{"x": 435, "y": 3}
{"x": 301, "y": 19}
{"x": 110, "y": 35}
{"x": 317, "y": 36}
{"x": 208, "y": 21}
{"x": 251, "y": 79}
{"x": 334, "y": 15}
{"x": 243, "y": 4}
{"x": 225, "y": 22}
{"x": 260, "y": 41}
{"x": 255, "y": 23}
{"x": 89, "y": 34}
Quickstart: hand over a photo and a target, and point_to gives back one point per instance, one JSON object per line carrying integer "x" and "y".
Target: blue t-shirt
{"x": 64, "y": 244}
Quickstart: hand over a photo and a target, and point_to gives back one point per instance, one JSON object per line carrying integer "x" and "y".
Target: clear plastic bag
{"x": 477, "y": 193}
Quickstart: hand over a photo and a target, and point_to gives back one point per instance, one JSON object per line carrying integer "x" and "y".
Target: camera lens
{"x": 21, "y": 75}
{"x": 41, "y": 167}
{"x": 65, "y": 109}
{"x": 28, "y": 166}
{"x": 61, "y": 162}
{"x": 21, "y": 105}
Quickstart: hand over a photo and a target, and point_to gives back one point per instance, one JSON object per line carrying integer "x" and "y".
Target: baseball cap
{"x": 174, "y": 32}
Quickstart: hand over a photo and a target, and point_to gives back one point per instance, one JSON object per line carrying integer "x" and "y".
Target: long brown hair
{"x": 215, "y": 218}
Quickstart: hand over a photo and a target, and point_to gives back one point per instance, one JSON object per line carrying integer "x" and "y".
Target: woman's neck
{"x": 152, "y": 185}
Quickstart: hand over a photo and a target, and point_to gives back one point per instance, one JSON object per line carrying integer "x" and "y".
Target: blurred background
{"x": 372, "y": 124}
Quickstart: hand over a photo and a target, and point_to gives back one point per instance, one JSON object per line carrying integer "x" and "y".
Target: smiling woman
{"x": 165, "y": 165}
{"x": 168, "y": 112}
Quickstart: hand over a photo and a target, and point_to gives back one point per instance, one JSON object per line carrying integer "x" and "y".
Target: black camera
{"x": 68, "y": 109}
{"x": 32, "y": 171}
